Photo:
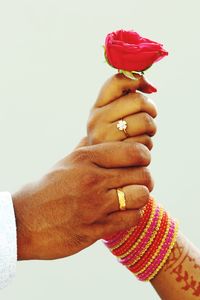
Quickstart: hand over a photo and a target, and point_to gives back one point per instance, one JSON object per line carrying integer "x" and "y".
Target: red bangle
{"x": 144, "y": 248}
{"x": 140, "y": 226}
{"x": 156, "y": 263}
{"x": 114, "y": 239}
{"x": 145, "y": 239}
{"x": 142, "y": 262}
{"x": 135, "y": 235}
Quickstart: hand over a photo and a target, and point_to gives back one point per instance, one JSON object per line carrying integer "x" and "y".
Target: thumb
{"x": 118, "y": 85}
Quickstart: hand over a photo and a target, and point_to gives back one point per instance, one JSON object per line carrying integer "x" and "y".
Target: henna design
{"x": 184, "y": 253}
{"x": 175, "y": 256}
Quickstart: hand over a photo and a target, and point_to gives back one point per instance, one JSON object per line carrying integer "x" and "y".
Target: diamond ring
{"x": 122, "y": 126}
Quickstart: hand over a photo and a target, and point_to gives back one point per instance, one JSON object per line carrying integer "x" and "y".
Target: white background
{"x": 51, "y": 69}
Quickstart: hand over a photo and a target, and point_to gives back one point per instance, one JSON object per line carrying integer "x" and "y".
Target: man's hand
{"x": 76, "y": 203}
{"x": 118, "y": 100}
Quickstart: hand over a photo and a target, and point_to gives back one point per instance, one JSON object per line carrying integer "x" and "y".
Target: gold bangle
{"x": 167, "y": 254}
{"x": 150, "y": 241}
{"x": 157, "y": 251}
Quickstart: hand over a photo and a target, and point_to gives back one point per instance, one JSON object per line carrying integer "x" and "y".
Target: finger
{"x": 143, "y": 139}
{"x": 127, "y": 105}
{"x": 118, "y": 178}
{"x": 138, "y": 124}
{"x": 118, "y": 85}
{"x": 117, "y": 154}
{"x": 136, "y": 196}
{"x": 120, "y": 221}
{"x": 107, "y": 134}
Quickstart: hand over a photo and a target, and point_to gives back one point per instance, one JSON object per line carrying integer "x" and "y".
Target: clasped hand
{"x": 75, "y": 203}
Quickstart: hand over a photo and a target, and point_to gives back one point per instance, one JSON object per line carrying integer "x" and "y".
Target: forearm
{"x": 180, "y": 277}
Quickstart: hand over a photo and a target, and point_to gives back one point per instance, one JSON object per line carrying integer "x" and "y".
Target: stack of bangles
{"x": 145, "y": 248}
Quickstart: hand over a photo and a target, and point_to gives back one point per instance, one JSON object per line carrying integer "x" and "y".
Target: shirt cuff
{"x": 8, "y": 240}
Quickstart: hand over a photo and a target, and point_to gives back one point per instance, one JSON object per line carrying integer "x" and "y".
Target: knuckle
{"x": 90, "y": 210}
{"x": 153, "y": 130}
{"x": 95, "y": 181}
{"x": 147, "y": 178}
{"x": 143, "y": 154}
{"x": 150, "y": 125}
{"x": 147, "y": 119}
{"x": 94, "y": 119}
{"x": 154, "y": 108}
{"x": 81, "y": 155}
{"x": 155, "y": 111}
{"x": 91, "y": 123}
{"x": 97, "y": 129}
{"x": 90, "y": 179}
{"x": 95, "y": 138}
{"x": 148, "y": 142}
{"x": 145, "y": 194}
{"x": 98, "y": 136}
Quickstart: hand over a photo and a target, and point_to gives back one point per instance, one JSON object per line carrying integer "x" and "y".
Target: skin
{"x": 75, "y": 203}
{"x": 180, "y": 277}
{"x": 118, "y": 99}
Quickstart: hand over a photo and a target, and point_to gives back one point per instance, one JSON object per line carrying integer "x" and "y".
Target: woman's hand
{"x": 119, "y": 100}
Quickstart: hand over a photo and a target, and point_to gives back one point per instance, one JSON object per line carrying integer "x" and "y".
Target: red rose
{"x": 127, "y": 50}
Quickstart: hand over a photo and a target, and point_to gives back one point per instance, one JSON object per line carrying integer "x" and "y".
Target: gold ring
{"x": 122, "y": 126}
{"x": 121, "y": 199}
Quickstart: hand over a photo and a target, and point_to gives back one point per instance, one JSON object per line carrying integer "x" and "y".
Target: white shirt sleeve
{"x": 8, "y": 240}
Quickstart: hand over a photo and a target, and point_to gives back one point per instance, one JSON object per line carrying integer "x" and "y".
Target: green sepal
{"x": 128, "y": 74}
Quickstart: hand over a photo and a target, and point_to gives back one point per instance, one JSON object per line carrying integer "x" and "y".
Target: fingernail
{"x": 149, "y": 89}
